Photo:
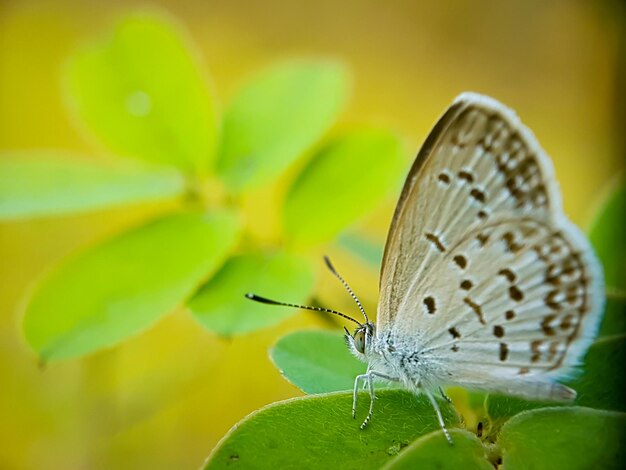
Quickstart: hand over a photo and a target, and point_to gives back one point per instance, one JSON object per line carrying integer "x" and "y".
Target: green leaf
{"x": 564, "y": 438}
{"x": 500, "y": 408}
{"x": 276, "y": 117}
{"x": 607, "y": 236}
{"x": 112, "y": 291}
{"x": 319, "y": 432}
{"x": 614, "y": 320}
{"x": 342, "y": 183}
{"x": 221, "y": 306}
{"x": 369, "y": 251}
{"x": 316, "y": 361}
{"x": 602, "y": 383}
{"x": 142, "y": 93}
{"x": 433, "y": 451}
{"x": 48, "y": 183}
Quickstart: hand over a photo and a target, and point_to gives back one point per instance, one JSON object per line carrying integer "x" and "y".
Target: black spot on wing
{"x": 434, "y": 239}
{"x": 516, "y": 294}
{"x": 504, "y": 351}
{"x": 508, "y": 274}
{"x": 466, "y": 176}
{"x": 476, "y": 308}
{"x": 460, "y": 261}
{"x": 429, "y": 302}
{"x": 478, "y": 195}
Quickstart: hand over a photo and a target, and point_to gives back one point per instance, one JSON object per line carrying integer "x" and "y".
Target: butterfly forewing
{"x": 480, "y": 262}
{"x": 477, "y": 162}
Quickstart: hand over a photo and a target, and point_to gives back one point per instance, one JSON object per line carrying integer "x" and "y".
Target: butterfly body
{"x": 401, "y": 358}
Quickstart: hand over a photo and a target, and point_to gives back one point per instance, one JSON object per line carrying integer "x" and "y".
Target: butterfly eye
{"x": 359, "y": 341}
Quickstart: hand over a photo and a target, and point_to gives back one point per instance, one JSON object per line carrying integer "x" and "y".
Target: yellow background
{"x": 163, "y": 399}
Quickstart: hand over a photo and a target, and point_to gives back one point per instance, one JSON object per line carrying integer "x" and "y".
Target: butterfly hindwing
{"x": 524, "y": 303}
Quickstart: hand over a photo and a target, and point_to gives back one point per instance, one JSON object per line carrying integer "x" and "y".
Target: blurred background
{"x": 164, "y": 398}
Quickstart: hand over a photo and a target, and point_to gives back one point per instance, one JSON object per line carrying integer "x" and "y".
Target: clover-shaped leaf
{"x": 319, "y": 432}
{"x": 364, "y": 249}
{"x": 564, "y": 438}
{"x": 342, "y": 183}
{"x": 433, "y": 451}
{"x": 278, "y": 115}
{"x": 221, "y": 306}
{"x": 316, "y": 361}
{"x": 109, "y": 292}
{"x": 500, "y": 408}
{"x": 48, "y": 183}
{"x": 142, "y": 93}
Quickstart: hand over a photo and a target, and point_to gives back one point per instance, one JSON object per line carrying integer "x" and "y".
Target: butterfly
{"x": 484, "y": 283}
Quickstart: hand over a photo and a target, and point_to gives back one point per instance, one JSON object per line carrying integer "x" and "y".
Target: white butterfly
{"x": 484, "y": 283}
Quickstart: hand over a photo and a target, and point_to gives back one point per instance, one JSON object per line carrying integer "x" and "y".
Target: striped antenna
{"x": 345, "y": 284}
{"x": 263, "y": 300}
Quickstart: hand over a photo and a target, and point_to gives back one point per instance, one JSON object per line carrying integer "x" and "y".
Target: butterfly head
{"x": 361, "y": 340}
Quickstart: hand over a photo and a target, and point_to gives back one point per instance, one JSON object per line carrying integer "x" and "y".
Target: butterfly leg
{"x": 369, "y": 382}
{"x": 355, "y": 395}
{"x": 439, "y": 416}
{"x": 365, "y": 381}
{"x": 445, "y": 397}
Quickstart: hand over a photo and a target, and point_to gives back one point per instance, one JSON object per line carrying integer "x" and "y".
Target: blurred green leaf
{"x": 221, "y": 306}
{"x": 142, "y": 93}
{"x": 107, "y": 293}
{"x": 500, "y": 408}
{"x": 342, "y": 183}
{"x": 47, "y": 183}
{"x": 608, "y": 236}
{"x": 564, "y": 438}
{"x": 614, "y": 320}
{"x": 319, "y": 432}
{"x": 316, "y": 361}
{"x": 276, "y": 117}
{"x": 433, "y": 451}
{"x": 601, "y": 385}
{"x": 367, "y": 250}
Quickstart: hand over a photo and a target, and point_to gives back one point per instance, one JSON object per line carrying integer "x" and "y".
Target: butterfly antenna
{"x": 345, "y": 284}
{"x": 263, "y": 300}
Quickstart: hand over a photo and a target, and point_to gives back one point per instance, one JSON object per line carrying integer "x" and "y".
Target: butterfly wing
{"x": 480, "y": 260}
